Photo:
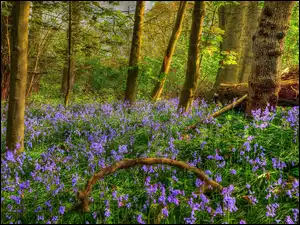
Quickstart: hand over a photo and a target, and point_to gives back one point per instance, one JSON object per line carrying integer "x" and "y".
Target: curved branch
{"x": 83, "y": 196}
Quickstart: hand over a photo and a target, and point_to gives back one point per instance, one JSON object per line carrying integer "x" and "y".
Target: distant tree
{"x": 5, "y": 50}
{"x": 156, "y": 93}
{"x": 193, "y": 64}
{"x": 131, "y": 85}
{"x": 16, "y": 104}
{"x": 73, "y": 33}
{"x": 36, "y": 43}
{"x": 268, "y": 40}
{"x": 239, "y": 22}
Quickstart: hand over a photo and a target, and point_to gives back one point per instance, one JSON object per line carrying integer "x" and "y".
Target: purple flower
{"x": 25, "y": 185}
{"x": 74, "y": 180}
{"x": 208, "y": 172}
{"x": 10, "y": 156}
{"x": 289, "y": 220}
{"x": 17, "y": 199}
{"x": 107, "y": 211}
{"x": 40, "y": 217}
{"x": 243, "y": 222}
{"x": 229, "y": 202}
{"x": 54, "y": 218}
{"x": 165, "y": 212}
{"x": 61, "y": 210}
{"x": 218, "y": 178}
{"x": 139, "y": 219}
{"x": 295, "y": 213}
{"x": 233, "y": 171}
{"x": 199, "y": 182}
{"x": 271, "y": 210}
{"x": 253, "y": 200}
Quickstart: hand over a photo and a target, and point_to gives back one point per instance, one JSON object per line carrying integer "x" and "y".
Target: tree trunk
{"x": 16, "y": 104}
{"x": 35, "y": 45}
{"x": 73, "y": 33}
{"x": 156, "y": 93}
{"x": 221, "y": 13}
{"x": 70, "y": 56}
{"x": 268, "y": 40}
{"x": 5, "y": 57}
{"x": 250, "y": 24}
{"x": 192, "y": 72}
{"x": 131, "y": 85}
{"x": 239, "y": 22}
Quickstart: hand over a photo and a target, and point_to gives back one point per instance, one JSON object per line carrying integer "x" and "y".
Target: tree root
{"x": 83, "y": 195}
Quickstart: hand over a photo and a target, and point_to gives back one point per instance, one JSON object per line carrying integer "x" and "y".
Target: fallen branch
{"x": 226, "y": 108}
{"x": 83, "y": 196}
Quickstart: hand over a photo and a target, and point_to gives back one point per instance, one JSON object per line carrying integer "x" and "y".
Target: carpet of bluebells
{"x": 256, "y": 161}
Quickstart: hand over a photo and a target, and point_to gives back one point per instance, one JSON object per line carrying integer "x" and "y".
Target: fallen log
{"x": 288, "y": 94}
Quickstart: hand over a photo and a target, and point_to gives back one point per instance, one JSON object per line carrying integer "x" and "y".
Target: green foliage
{"x": 291, "y": 43}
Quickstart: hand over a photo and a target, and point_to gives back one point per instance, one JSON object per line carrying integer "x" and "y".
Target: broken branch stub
{"x": 83, "y": 195}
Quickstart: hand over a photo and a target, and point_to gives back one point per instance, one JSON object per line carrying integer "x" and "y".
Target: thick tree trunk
{"x": 239, "y": 22}
{"x": 16, "y": 104}
{"x": 156, "y": 93}
{"x": 192, "y": 72}
{"x": 5, "y": 57}
{"x": 268, "y": 40}
{"x": 131, "y": 85}
{"x": 246, "y": 56}
{"x": 73, "y": 33}
{"x": 234, "y": 18}
{"x": 221, "y": 13}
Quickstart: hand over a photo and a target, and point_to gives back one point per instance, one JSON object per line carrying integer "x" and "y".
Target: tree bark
{"x": 16, "y": 104}
{"x": 5, "y": 57}
{"x": 250, "y": 24}
{"x": 192, "y": 72}
{"x": 156, "y": 93}
{"x": 239, "y": 22}
{"x": 131, "y": 85}
{"x": 268, "y": 40}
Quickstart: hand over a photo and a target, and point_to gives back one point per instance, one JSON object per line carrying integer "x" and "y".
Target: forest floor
{"x": 255, "y": 160}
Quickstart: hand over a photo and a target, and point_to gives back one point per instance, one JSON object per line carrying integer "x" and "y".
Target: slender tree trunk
{"x": 131, "y": 85}
{"x": 70, "y": 56}
{"x": 156, "y": 93}
{"x": 74, "y": 24}
{"x": 35, "y": 44}
{"x": 16, "y": 105}
{"x": 192, "y": 72}
{"x": 268, "y": 40}
{"x": 5, "y": 57}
